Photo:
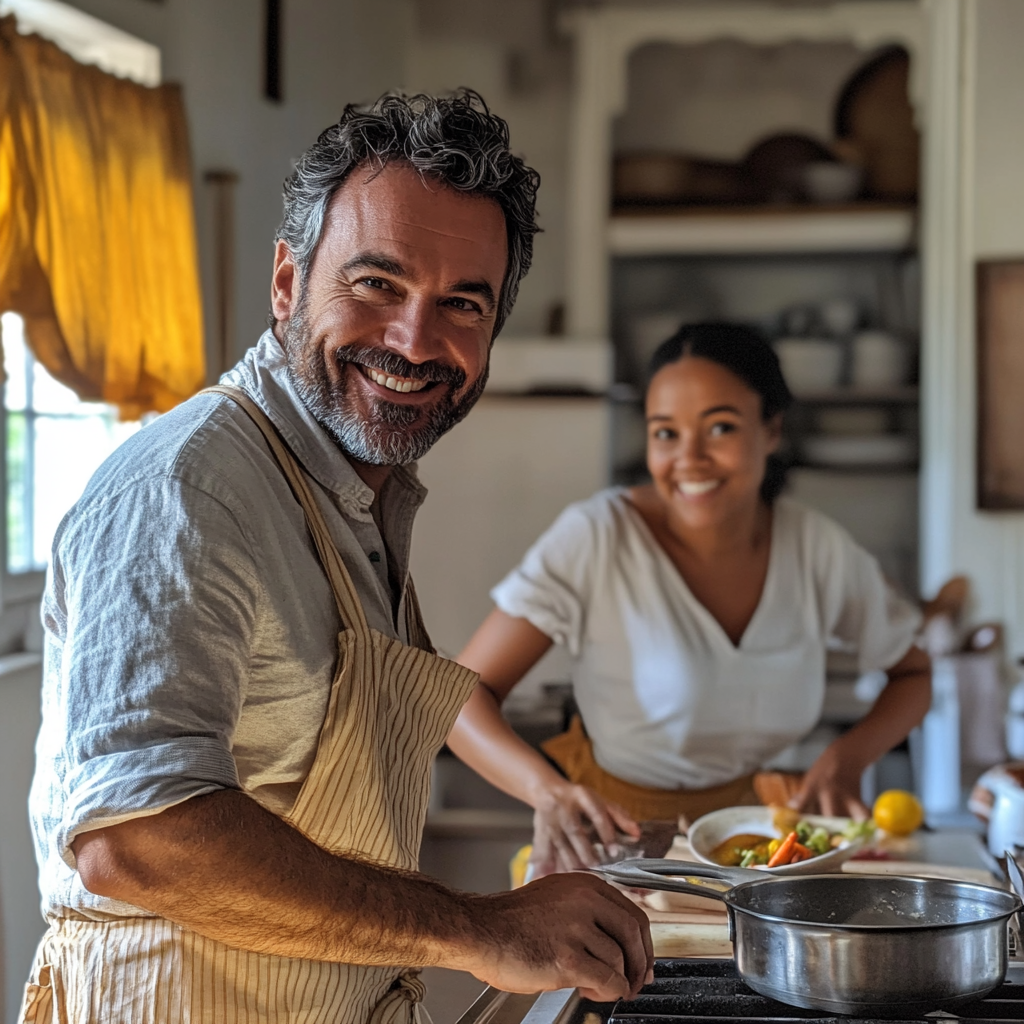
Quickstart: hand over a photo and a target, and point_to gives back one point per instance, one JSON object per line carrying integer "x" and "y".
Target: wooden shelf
{"x": 851, "y": 228}
{"x": 853, "y": 396}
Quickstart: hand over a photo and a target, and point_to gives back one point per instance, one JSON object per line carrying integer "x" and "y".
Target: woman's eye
{"x": 718, "y": 429}
{"x": 664, "y": 434}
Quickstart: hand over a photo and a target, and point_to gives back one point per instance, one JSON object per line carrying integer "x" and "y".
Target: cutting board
{"x": 691, "y": 938}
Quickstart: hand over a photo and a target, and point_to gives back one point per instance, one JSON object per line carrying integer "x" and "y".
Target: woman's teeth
{"x": 403, "y": 384}
{"x": 695, "y": 488}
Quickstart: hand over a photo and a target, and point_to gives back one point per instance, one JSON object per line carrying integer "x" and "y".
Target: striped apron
{"x": 390, "y": 710}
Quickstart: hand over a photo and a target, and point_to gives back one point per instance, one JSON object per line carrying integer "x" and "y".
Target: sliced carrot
{"x": 784, "y": 852}
{"x": 800, "y": 852}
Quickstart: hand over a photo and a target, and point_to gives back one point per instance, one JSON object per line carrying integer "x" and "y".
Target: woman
{"x": 697, "y": 610}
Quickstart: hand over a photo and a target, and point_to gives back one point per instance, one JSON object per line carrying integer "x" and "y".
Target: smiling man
{"x": 241, "y": 705}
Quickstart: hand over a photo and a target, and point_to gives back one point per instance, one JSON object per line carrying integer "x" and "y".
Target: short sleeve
{"x": 551, "y": 587}
{"x": 150, "y": 610}
{"x": 863, "y": 609}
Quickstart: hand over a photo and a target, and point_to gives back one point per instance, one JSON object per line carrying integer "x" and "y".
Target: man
{"x": 240, "y": 704}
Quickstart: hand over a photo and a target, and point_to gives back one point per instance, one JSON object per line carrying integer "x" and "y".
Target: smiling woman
{"x": 697, "y": 610}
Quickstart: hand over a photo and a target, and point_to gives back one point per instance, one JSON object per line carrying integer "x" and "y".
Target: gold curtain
{"x": 97, "y": 240}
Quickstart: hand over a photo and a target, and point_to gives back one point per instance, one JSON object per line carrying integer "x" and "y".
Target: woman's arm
{"x": 503, "y": 650}
{"x": 832, "y": 785}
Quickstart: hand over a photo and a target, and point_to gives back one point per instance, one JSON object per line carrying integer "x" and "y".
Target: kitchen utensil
{"x": 850, "y": 943}
{"x": 998, "y": 799}
{"x": 831, "y": 181}
{"x": 775, "y": 165}
{"x": 713, "y": 829}
{"x": 1014, "y": 871}
{"x": 874, "y": 125}
{"x": 879, "y": 361}
{"x": 657, "y": 178}
{"x": 839, "y": 315}
{"x": 810, "y": 364}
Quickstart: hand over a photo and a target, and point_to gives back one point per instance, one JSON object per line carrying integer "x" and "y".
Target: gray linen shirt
{"x": 190, "y": 630}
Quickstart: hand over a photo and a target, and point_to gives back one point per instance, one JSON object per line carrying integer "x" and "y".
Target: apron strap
{"x": 350, "y": 609}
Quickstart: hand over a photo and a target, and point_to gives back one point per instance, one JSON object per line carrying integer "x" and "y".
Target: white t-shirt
{"x": 668, "y": 700}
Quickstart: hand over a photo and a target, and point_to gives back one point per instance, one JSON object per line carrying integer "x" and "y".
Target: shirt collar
{"x": 263, "y": 374}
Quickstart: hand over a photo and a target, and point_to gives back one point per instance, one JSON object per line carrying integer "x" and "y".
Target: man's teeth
{"x": 403, "y": 384}
{"x": 695, "y": 488}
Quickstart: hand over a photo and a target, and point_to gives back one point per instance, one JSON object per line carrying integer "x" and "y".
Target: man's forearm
{"x": 222, "y": 866}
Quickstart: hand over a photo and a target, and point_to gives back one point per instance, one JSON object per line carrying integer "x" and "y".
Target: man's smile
{"x": 401, "y": 384}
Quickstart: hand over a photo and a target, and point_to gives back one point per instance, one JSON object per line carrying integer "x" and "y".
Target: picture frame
{"x": 999, "y": 294}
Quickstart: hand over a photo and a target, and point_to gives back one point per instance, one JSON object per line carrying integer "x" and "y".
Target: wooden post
{"x": 221, "y": 187}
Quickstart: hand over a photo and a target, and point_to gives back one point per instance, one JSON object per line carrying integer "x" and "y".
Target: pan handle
{"x": 678, "y": 876}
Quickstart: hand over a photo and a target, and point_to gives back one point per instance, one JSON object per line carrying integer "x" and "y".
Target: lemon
{"x": 898, "y": 812}
{"x": 518, "y": 864}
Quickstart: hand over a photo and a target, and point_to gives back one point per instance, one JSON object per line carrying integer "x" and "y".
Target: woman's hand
{"x": 566, "y": 823}
{"x": 832, "y": 786}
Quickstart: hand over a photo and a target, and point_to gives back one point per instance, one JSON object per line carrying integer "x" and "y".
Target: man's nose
{"x": 414, "y": 331}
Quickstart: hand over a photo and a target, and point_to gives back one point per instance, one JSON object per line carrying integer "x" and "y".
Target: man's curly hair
{"x": 454, "y": 140}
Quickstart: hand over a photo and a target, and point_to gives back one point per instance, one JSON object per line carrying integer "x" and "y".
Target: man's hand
{"x": 563, "y": 931}
{"x": 224, "y": 867}
{"x": 566, "y": 822}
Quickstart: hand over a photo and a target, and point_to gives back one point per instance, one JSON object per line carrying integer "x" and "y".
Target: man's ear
{"x": 284, "y": 283}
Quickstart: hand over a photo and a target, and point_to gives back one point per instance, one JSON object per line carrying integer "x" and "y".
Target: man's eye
{"x": 374, "y": 282}
{"x": 462, "y": 304}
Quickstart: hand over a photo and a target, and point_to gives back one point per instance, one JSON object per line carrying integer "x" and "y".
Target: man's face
{"x": 388, "y": 341}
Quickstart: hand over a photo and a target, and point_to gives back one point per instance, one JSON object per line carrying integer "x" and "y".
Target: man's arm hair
{"x": 223, "y": 866}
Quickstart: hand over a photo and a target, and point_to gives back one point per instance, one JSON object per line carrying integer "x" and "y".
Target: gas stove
{"x": 701, "y": 991}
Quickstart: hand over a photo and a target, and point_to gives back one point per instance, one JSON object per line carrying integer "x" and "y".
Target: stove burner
{"x": 710, "y": 992}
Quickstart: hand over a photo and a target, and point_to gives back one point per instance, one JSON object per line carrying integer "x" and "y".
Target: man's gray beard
{"x": 387, "y": 438}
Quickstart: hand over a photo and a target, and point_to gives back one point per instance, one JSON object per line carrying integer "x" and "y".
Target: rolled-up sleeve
{"x": 151, "y": 607}
{"x": 550, "y": 588}
{"x": 865, "y": 610}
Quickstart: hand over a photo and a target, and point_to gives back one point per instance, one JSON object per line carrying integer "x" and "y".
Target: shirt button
{"x": 374, "y": 556}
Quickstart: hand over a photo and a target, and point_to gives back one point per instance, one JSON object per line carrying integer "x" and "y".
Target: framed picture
{"x": 1000, "y": 350}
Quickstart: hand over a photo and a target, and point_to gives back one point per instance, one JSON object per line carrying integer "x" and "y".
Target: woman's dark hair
{"x": 746, "y": 353}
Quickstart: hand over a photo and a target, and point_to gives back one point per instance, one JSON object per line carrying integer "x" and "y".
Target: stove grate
{"x": 710, "y": 992}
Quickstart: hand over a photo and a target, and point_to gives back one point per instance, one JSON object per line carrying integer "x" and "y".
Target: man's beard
{"x": 387, "y": 436}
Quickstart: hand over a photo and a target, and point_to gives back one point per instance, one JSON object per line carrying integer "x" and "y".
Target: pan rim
{"x": 1004, "y": 915}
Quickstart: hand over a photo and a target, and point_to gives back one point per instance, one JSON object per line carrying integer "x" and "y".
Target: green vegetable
{"x": 749, "y": 857}
{"x": 803, "y": 831}
{"x": 819, "y": 841}
{"x": 859, "y": 830}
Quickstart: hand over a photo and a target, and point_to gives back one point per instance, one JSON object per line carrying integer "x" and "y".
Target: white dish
{"x": 713, "y": 829}
{"x": 810, "y": 364}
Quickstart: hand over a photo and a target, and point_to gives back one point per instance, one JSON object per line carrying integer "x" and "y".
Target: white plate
{"x": 713, "y": 829}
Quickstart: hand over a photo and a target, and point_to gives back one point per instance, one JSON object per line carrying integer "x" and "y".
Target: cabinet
{"x": 634, "y": 276}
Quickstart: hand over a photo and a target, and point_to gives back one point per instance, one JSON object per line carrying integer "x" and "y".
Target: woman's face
{"x": 707, "y": 442}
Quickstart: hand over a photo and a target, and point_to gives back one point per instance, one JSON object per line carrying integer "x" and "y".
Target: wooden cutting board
{"x": 705, "y": 938}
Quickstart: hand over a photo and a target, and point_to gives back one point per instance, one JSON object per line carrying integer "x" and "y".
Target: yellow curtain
{"x": 97, "y": 240}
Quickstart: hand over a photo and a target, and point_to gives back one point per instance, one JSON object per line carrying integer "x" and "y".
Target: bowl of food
{"x": 777, "y": 840}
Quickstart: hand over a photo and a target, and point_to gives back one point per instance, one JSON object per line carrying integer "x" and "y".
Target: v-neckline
{"x": 769, "y": 576}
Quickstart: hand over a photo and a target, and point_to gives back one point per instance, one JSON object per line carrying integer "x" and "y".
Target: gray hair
{"x": 454, "y": 140}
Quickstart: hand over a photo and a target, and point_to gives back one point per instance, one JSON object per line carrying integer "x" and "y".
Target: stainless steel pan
{"x": 854, "y": 944}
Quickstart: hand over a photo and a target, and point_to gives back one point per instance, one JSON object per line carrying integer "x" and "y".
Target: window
{"x": 52, "y": 441}
{"x": 55, "y": 442}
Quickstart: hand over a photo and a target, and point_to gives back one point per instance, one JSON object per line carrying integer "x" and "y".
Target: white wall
{"x": 21, "y": 924}
{"x": 978, "y": 188}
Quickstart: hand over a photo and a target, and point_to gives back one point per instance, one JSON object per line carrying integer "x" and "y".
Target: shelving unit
{"x": 740, "y": 256}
